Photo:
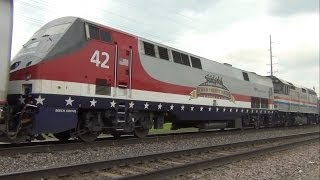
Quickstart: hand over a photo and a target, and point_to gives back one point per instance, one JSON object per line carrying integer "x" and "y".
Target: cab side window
{"x": 94, "y": 32}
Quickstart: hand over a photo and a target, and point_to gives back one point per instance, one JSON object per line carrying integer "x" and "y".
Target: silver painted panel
{"x": 173, "y": 73}
{"x": 6, "y": 16}
{"x": 45, "y": 39}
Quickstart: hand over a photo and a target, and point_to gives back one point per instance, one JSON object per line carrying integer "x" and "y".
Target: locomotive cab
{"x": 296, "y": 104}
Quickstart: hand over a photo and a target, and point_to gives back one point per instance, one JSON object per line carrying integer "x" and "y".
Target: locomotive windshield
{"x": 39, "y": 45}
{"x": 59, "y": 29}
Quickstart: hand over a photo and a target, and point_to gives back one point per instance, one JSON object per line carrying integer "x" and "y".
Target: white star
{"x": 230, "y": 109}
{"x": 182, "y": 108}
{"x": 236, "y": 110}
{"x": 209, "y": 109}
{"x": 146, "y": 105}
{"x": 260, "y": 111}
{"x": 69, "y": 101}
{"x": 217, "y": 109}
{"x": 252, "y": 111}
{"x": 21, "y": 99}
{"x": 247, "y": 110}
{"x": 192, "y": 108}
{"x": 224, "y": 109}
{"x": 257, "y": 111}
{"x": 113, "y": 104}
{"x": 171, "y": 107}
{"x": 93, "y": 103}
{"x": 241, "y": 110}
{"x": 265, "y": 111}
{"x": 201, "y": 108}
{"x": 131, "y": 104}
{"x": 160, "y": 106}
{"x": 39, "y": 100}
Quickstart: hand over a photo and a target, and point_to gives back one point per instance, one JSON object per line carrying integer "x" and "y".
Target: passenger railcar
{"x": 77, "y": 78}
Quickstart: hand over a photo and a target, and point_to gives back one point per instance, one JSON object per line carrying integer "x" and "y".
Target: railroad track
{"x": 50, "y": 146}
{"x": 159, "y": 166}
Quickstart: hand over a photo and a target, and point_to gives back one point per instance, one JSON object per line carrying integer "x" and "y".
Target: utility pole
{"x": 271, "y": 63}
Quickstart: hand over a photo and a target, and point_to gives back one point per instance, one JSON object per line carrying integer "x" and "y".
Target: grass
{"x": 167, "y": 129}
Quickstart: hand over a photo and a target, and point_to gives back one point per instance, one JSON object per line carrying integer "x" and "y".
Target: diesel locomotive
{"x": 77, "y": 78}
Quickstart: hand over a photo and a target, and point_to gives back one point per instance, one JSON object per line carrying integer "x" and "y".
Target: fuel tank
{"x": 6, "y": 16}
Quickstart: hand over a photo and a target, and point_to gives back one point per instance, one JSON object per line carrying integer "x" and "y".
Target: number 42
{"x": 95, "y": 58}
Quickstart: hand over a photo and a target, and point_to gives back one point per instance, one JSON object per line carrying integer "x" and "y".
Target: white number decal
{"x": 104, "y": 64}
{"x": 95, "y": 58}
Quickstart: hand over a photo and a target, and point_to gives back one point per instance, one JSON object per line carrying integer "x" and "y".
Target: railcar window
{"x": 15, "y": 65}
{"x": 163, "y": 53}
{"x": 94, "y": 32}
{"x": 185, "y": 59}
{"x": 176, "y": 57}
{"x": 245, "y": 76}
{"x": 286, "y": 90}
{"x": 103, "y": 87}
{"x": 105, "y": 36}
{"x": 149, "y": 49}
{"x": 180, "y": 58}
{"x": 278, "y": 88}
{"x": 311, "y": 92}
{"x": 196, "y": 63}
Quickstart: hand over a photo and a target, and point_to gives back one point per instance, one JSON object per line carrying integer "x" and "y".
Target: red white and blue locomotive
{"x": 76, "y": 78}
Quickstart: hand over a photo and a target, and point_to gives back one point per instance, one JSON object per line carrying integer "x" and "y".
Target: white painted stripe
{"x": 88, "y": 90}
{"x": 294, "y": 102}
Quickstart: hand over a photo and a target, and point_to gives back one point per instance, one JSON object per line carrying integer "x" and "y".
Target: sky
{"x": 227, "y": 31}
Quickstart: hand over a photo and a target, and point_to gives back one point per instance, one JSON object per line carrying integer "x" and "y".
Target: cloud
{"x": 293, "y": 7}
{"x": 245, "y": 45}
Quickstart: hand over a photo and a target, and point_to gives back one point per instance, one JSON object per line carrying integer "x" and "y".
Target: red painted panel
{"x": 76, "y": 67}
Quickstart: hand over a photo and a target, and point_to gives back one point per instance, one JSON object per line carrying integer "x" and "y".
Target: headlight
{"x": 1, "y": 113}
{"x": 28, "y": 76}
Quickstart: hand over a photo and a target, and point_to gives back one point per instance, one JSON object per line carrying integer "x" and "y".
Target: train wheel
{"x": 89, "y": 136}
{"x": 140, "y": 132}
{"x": 63, "y": 136}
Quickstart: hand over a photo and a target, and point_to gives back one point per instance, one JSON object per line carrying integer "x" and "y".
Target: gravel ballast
{"x": 302, "y": 162}
{"x": 35, "y": 161}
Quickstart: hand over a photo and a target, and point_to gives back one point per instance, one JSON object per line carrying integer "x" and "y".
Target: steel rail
{"x": 219, "y": 161}
{"x": 50, "y": 146}
{"x": 97, "y": 166}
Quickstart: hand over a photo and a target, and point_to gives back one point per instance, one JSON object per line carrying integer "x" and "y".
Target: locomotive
{"x": 77, "y": 78}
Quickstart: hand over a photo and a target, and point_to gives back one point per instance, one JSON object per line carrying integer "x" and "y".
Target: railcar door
{"x": 123, "y": 72}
